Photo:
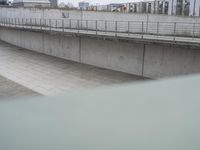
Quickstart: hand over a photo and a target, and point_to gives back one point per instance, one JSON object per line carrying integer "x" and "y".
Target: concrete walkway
{"x": 51, "y": 76}
{"x": 149, "y": 37}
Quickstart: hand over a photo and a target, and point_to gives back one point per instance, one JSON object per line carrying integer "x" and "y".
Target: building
{"x": 31, "y": 3}
{"x": 184, "y": 7}
{"x": 83, "y": 5}
{"x": 3, "y": 2}
{"x": 54, "y": 3}
{"x": 117, "y": 7}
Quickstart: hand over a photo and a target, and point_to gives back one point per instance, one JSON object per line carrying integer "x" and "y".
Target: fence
{"x": 174, "y": 29}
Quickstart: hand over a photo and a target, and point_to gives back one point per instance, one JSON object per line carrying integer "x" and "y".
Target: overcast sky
{"x": 94, "y": 2}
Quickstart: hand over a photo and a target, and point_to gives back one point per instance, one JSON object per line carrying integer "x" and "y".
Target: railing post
{"x": 40, "y": 24}
{"x": 78, "y": 25}
{"x": 115, "y": 28}
{"x": 45, "y": 23}
{"x": 87, "y": 25}
{"x": 56, "y": 23}
{"x": 15, "y": 23}
{"x": 174, "y": 31}
{"x": 142, "y": 29}
{"x": 157, "y": 28}
{"x": 96, "y": 26}
{"x": 50, "y": 24}
{"x": 63, "y": 28}
{"x": 23, "y": 22}
{"x": 31, "y": 23}
{"x": 128, "y": 27}
{"x": 193, "y": 30}
{"x": 70, "y": 24}
{"x": 26, "y": 23}
{"x": 106, "y": 26}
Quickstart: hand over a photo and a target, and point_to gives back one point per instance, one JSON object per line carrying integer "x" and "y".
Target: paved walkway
{"x": 48, "y": 75}
{"x": 163, "y": 38}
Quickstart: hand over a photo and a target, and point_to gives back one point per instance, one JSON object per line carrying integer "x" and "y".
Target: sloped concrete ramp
{"x": 50, "y": 76}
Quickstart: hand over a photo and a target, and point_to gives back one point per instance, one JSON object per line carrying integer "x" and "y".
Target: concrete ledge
{"x": 165, "y": 42}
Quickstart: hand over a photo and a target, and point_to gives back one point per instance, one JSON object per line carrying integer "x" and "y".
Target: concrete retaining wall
{"x": 154, "y": 61}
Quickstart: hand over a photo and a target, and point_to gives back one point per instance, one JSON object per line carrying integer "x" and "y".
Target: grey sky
{"x": 94, "y": 2}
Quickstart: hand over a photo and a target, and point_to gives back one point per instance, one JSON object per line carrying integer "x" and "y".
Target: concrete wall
{"x": 154, "y": 61}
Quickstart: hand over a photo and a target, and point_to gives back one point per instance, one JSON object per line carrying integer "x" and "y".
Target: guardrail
{"x": 172, "y": 29}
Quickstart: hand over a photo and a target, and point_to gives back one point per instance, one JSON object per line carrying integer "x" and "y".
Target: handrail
{"x": 174, "y": 29}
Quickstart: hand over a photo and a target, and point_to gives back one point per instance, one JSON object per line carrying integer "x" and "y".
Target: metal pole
{"x": 70, "y": 24}
{"x": 63, "y": 29}
{"x": 50, "y": 24}
{"x": 142, "y": 29}
{"x": 96, "y": 26}
{"x": 106, "y": 26}
{"x": 157, "y": 28}
{"x": 193, "y": 30}
{"x": 115, "y": 28}
{"x": 174, "y": 31}
{"x": 23, "y": 22}
{"x": 147, "y": 23}
{"x": 128, "y": 27}
{"x": 26, "y": 22}
{"x": 56, "y": 24}
{"x": 40, "y": 24}
{"x": 78, "y": 25}
{"x": 31, "y": 23}
{"x": 87, "y": 25}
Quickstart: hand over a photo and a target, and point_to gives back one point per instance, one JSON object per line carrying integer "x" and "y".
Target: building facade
{"x": 54, "y": 3}
{"x": 184, "y": 7}
{"x": 3, "y": 2}
{"x": 31, "y": 3}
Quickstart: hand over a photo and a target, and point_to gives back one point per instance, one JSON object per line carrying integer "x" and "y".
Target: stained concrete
{"x": 143, "y": 59}
{"x": 50, "y": 76}
{"x": 125, "y": 57}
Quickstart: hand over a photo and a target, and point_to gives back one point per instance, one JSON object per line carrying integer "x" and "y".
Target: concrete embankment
{"x": 138, "y": 58}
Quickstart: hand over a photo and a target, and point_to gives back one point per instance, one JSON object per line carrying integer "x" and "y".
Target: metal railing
{"x": 115, "y": 28}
